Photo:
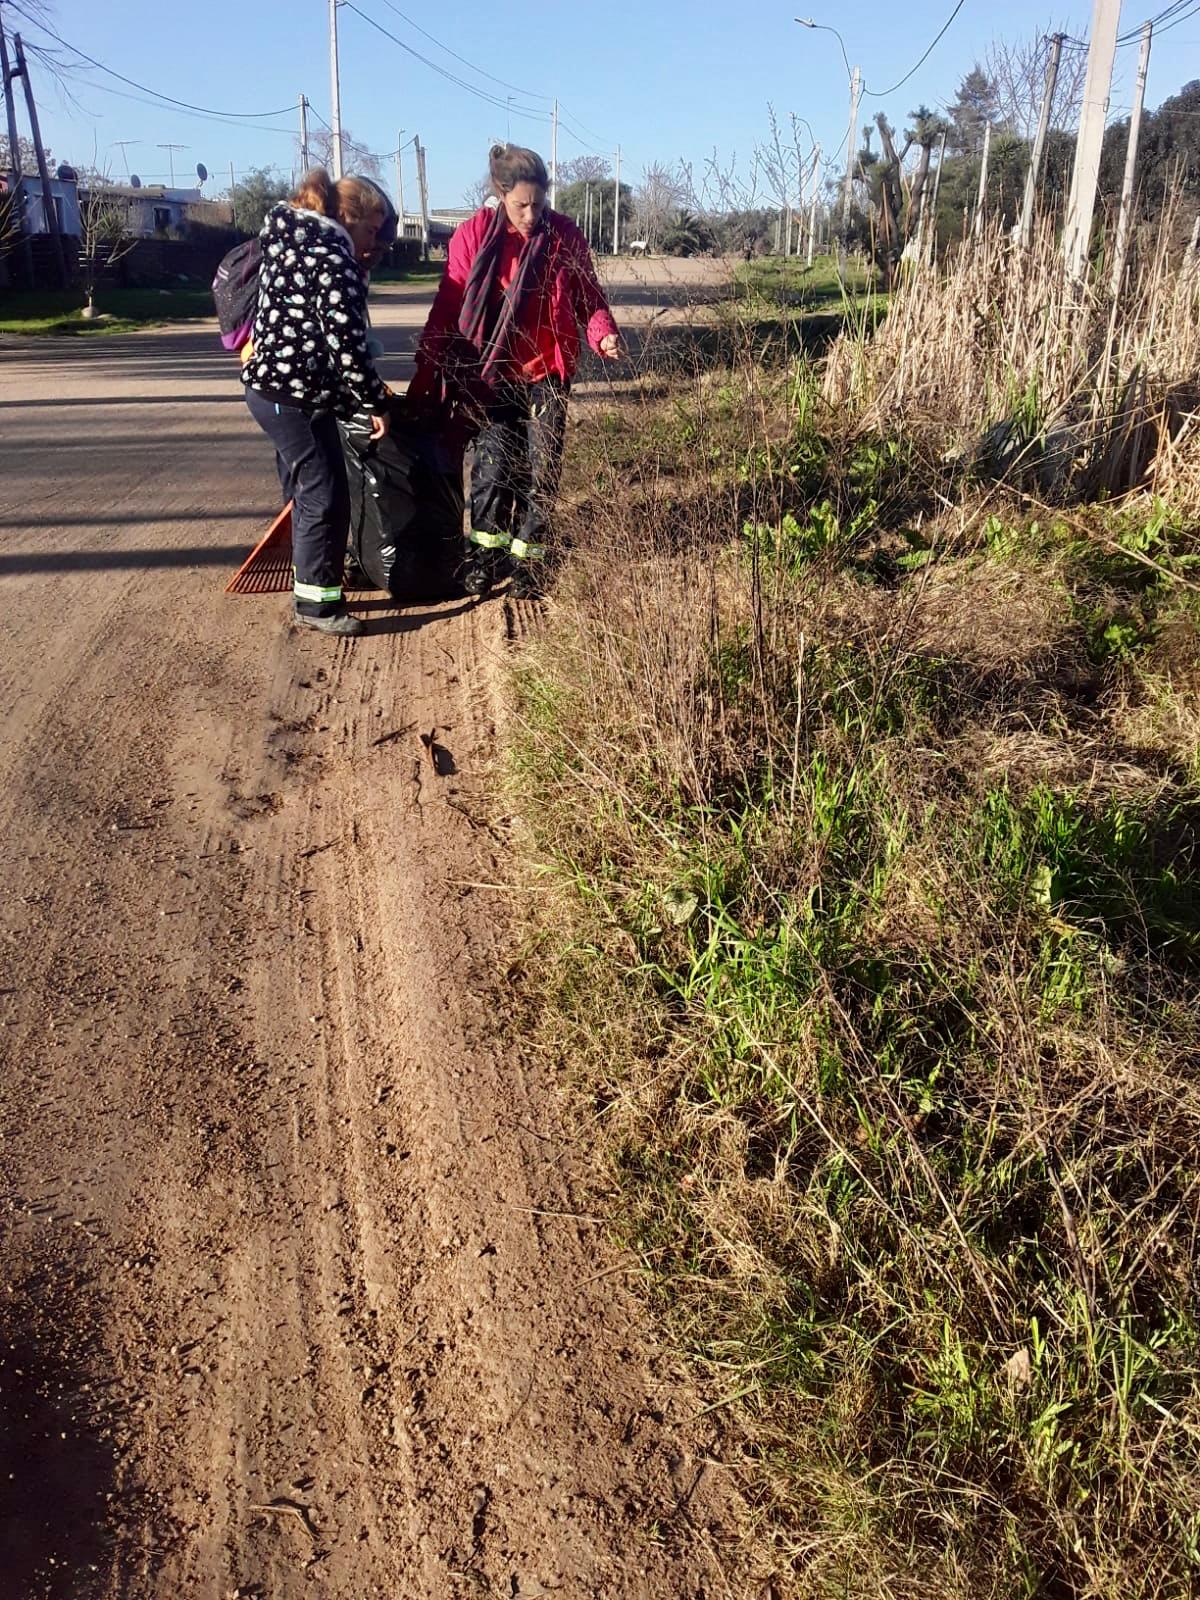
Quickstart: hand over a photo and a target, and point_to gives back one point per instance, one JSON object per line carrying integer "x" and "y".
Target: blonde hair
{"x": 347, "y": 200}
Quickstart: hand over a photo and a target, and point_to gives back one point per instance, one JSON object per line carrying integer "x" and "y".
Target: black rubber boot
{"x": 342, "y": 625}
{"x": 527, "y": 581}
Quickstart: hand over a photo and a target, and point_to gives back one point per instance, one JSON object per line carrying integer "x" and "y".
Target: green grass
{"x": 59, "y": 311}
{"x": 430, "y": 272}
{"x": 790, "y": 277}
{"x": 784, "y": 305}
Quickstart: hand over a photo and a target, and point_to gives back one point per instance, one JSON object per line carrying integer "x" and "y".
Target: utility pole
{"x": 400, "y": 181}
{"x": 423, "y": 188}
{"x": 49, "y": 209}
{"x": 1077, "y": 234}
{"x": 981, "y": 202}
{"x": 812, "y": 216}
{"x": 852, "y": 146}
{"x": 171, "y": 149}
{"x": 599, "y": 217}
{"x": 933, "y": 207}
{"x": 304, "y": 163}
{"x": 335, "y": 91}
{"x": 587, "y": 212}
{"x": 617, "y": 207}
{"x": 1033, "y": 176}
{"x": 1121, "y": 250}
{"x": 554, "y": 157}
{"x": 19, "y": 200}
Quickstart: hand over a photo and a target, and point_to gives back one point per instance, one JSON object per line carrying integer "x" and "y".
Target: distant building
{"x": 63, "y": 196}
{"x": 154, "y": 211}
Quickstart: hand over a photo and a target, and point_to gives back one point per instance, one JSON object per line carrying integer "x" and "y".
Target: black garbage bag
{"x": 406, "y": 509}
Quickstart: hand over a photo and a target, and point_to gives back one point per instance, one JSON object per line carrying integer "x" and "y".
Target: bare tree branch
{"x": 1017, "y": 69}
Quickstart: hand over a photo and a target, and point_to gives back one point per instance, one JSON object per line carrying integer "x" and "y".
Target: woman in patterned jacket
{"x": 309, "y": 366}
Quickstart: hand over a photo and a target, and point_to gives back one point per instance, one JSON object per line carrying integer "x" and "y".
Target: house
{"x": 154, "y": 211}
{"x": 63, "y": 195}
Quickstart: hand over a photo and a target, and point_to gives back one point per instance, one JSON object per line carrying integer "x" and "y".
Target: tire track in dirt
{"x": 352, "y": 1318}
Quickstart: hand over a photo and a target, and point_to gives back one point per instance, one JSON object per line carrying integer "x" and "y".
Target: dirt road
{"x": 303, "y": 1288}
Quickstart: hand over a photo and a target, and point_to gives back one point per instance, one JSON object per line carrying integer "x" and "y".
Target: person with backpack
{"x": 501, "y": 345}
{"x": 308, "y": 365}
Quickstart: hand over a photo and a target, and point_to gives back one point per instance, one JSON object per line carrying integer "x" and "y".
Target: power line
{"x": 578, "y": 138}
{"x": 451, "y": 77}
{"x": 1163, "y": 16}
{"x": 426, "y": 34}
{"x": 581, "y": 123}
{"x": 204, "y": 116}
{"x": 207, "y": 111}
{"x": 1170, "y": 17}
{"x": 881, "y": 94}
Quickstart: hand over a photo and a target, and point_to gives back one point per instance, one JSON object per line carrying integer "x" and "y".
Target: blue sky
{"x": 668, "y": 79}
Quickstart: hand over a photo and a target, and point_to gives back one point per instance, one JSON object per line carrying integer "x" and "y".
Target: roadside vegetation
{"x": 860, "y": 764}
{"x": 120, "y": 310}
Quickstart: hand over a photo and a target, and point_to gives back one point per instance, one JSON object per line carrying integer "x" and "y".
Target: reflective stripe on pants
{"x": 317, "y": 594}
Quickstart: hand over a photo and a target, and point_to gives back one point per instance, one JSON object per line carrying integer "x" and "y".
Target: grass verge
{"x": 122, "y": 310}
{"x": 864, "y": 794}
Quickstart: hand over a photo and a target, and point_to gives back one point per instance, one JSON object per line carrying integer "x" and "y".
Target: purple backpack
{"x": 235, "y": 291}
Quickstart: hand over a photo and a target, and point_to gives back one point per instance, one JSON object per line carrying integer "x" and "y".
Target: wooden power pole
{"x": 19, "y": 197}
{"x": 1034, "y": 175}
{"x": 49, "y": 209}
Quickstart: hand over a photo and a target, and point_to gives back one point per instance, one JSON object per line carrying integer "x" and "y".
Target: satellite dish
{"x": 202, "y": 172}
{"x": 66, "y": 174}
{"x": 135, "y": 182}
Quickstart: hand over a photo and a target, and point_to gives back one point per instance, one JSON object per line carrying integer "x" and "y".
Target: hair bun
{"x": 496, "y": 152}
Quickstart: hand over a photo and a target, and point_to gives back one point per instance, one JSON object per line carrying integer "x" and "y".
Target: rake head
{"x": 268, "y": 567}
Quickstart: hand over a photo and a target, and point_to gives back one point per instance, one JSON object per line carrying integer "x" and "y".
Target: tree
{"x": 26, "y": 154}
{"x": 584, "y": 169}
{"x": 974, "y": 106}
{"x": 782, "y": 167}
{"x": 748, "y": 228}
{"x": 1017, "y": 72}
{"x": 254, "y": 196}
{"x": 10, "y": 225}
{"x": 104, "y": 235}
{"x": 655, "y": 201}
{"x": 479, "y": 191}
{"x": 355, "y": 155}
{"x": 928, "y": 129}
{"x": 1168, "y": 151}
{"x": 687, "y": 235}
{"x": 573, "y": 203}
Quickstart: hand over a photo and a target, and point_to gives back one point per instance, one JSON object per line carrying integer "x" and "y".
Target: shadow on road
{"x": 56, "y": 1471}
{"x": 217, "y": 555}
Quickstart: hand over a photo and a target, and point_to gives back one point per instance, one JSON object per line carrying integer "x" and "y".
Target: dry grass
{"x": 870, "y": 795}
{"x": 1000, "y": 354}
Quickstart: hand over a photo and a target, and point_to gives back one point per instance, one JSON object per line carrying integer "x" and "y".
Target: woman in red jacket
{"x": 502, "y": 340}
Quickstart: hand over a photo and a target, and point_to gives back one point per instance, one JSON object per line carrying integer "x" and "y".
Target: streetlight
{"x": 823, "y": 27}
{"x": 855, "y": 76}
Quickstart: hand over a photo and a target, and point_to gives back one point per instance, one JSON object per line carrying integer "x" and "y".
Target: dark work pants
{"x": 312, "y": 473}
{"x": 517, "y": 465}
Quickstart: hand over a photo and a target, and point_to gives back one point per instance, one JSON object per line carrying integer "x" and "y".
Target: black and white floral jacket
{"x": 310, "y": 329}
